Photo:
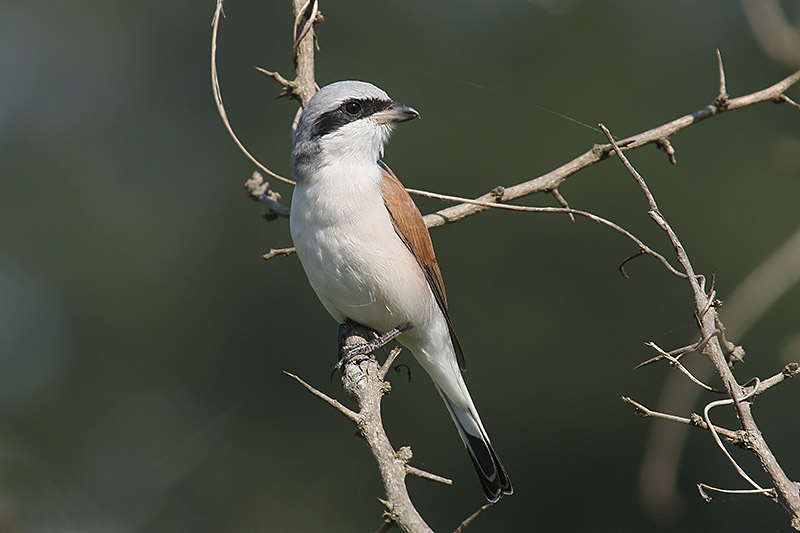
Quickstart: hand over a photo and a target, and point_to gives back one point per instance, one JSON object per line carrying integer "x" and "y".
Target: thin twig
{"x": 643, "y": 248}
{"x": 738, "y": 468}
{"x": 697, "y": 422}
{"x": 471, "y": 518}
{"x": 679, "y": 352}
{"x": 352, "y": 415}
{"x": 677, "y": 364}
{"x": 274, "y": 252}
{"x": 389, "y": 362}
{"x": 696, "y": 281}
{"x": 549, "y": 181}
{"x": 788, "y": 372}
{"x": 706, "y": 497}
{"x": 414, "y": 471}
{"x": 561, "y": 200}
{"x": 218, "y": 98}
{"x": 784, "y": 98}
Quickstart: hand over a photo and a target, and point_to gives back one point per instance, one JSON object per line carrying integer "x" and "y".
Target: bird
{"x": 367, "y": 253}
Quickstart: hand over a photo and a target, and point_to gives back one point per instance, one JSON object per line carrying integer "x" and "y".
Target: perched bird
{"x": 367, "y": 253}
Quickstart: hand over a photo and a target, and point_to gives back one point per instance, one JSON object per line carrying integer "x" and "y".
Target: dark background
{"x": 142, "y": 337}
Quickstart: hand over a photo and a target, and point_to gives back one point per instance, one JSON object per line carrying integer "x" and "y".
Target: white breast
{"x": 354, "y": 260}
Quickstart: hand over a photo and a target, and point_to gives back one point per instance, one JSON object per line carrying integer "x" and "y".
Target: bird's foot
{"x": 348, "y": 352}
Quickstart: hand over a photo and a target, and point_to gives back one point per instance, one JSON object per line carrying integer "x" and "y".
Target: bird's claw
{"x": 349, "y": 352}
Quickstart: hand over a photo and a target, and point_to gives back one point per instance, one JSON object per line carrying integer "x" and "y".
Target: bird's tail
{"x": 492, "y": 475}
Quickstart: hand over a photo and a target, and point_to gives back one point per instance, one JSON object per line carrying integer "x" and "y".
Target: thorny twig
{"x": 785, "y": 490}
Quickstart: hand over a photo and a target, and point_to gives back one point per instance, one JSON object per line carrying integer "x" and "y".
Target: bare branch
{"x": 677, "y": 364}
{"x": 389, "y": 362}
{"x": 658, "y": 135}
{"x": 471, "y": 518}
{"x": 274, "y": 252}
{"x": 260, "y": 191}
{"x": 747, "y": 303}
{"x": 707, "y": 319}
{"x": 305, "y": 84}
{"x": 789, "y": 371}
{"x": 353, "y": 416}
{"x": 738, "y": 468}
{"x": 678, "y": 352}
{"x": 362, "y": 381}
{"x": 643, "y": 248}
{"x": 696, "y": 421}
{"x": 789, "y": 101}
{"x": 707, "y": 498}
{"x": 414, "y": 471}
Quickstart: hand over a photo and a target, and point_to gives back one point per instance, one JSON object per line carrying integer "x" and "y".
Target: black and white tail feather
{"x": 491, "y": 474}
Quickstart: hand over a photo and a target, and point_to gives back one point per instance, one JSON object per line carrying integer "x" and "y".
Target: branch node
{"x": 664, "y": 144}
{"x": 698, "y": 421}
{"x": 260, "y": 191}
{"x": 498, "y": 193}
{"x": 638, "y": 408}
{"x": 288, "y": 87}
{"x": 404, "y": 454}
{"x": 602, "y": 151}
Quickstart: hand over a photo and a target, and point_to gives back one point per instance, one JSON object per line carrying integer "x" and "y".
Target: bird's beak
{"x": 395, "y": 113}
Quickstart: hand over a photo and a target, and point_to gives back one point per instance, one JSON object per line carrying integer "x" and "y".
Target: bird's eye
{"x": 352, "y": 107}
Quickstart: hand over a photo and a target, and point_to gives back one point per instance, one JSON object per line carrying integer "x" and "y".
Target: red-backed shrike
{"x": 366, "y": 250}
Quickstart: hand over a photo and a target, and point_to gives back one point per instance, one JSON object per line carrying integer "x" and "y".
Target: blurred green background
{"x": 142, "y": 337}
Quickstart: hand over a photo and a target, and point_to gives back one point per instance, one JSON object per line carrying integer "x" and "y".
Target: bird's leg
{"x": 348, "y": 352}
{"x": 344, "y": 331}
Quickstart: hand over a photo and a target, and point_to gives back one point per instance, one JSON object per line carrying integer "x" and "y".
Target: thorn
{"x": 722, "y": 101}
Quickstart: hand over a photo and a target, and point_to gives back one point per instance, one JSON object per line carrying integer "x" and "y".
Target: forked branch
{"x": 785, "y": 490}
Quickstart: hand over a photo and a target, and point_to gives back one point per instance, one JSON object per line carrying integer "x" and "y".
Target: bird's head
{"x": 346, "y": 120}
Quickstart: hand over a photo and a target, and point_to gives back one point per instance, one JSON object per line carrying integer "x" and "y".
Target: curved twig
{"x": 218, "y": 98}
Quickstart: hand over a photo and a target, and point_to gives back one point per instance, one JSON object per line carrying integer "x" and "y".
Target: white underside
{"x": 361, "y": 270}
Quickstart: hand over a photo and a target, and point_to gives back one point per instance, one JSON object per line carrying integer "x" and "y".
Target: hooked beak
{"x": 395, "y": 113}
